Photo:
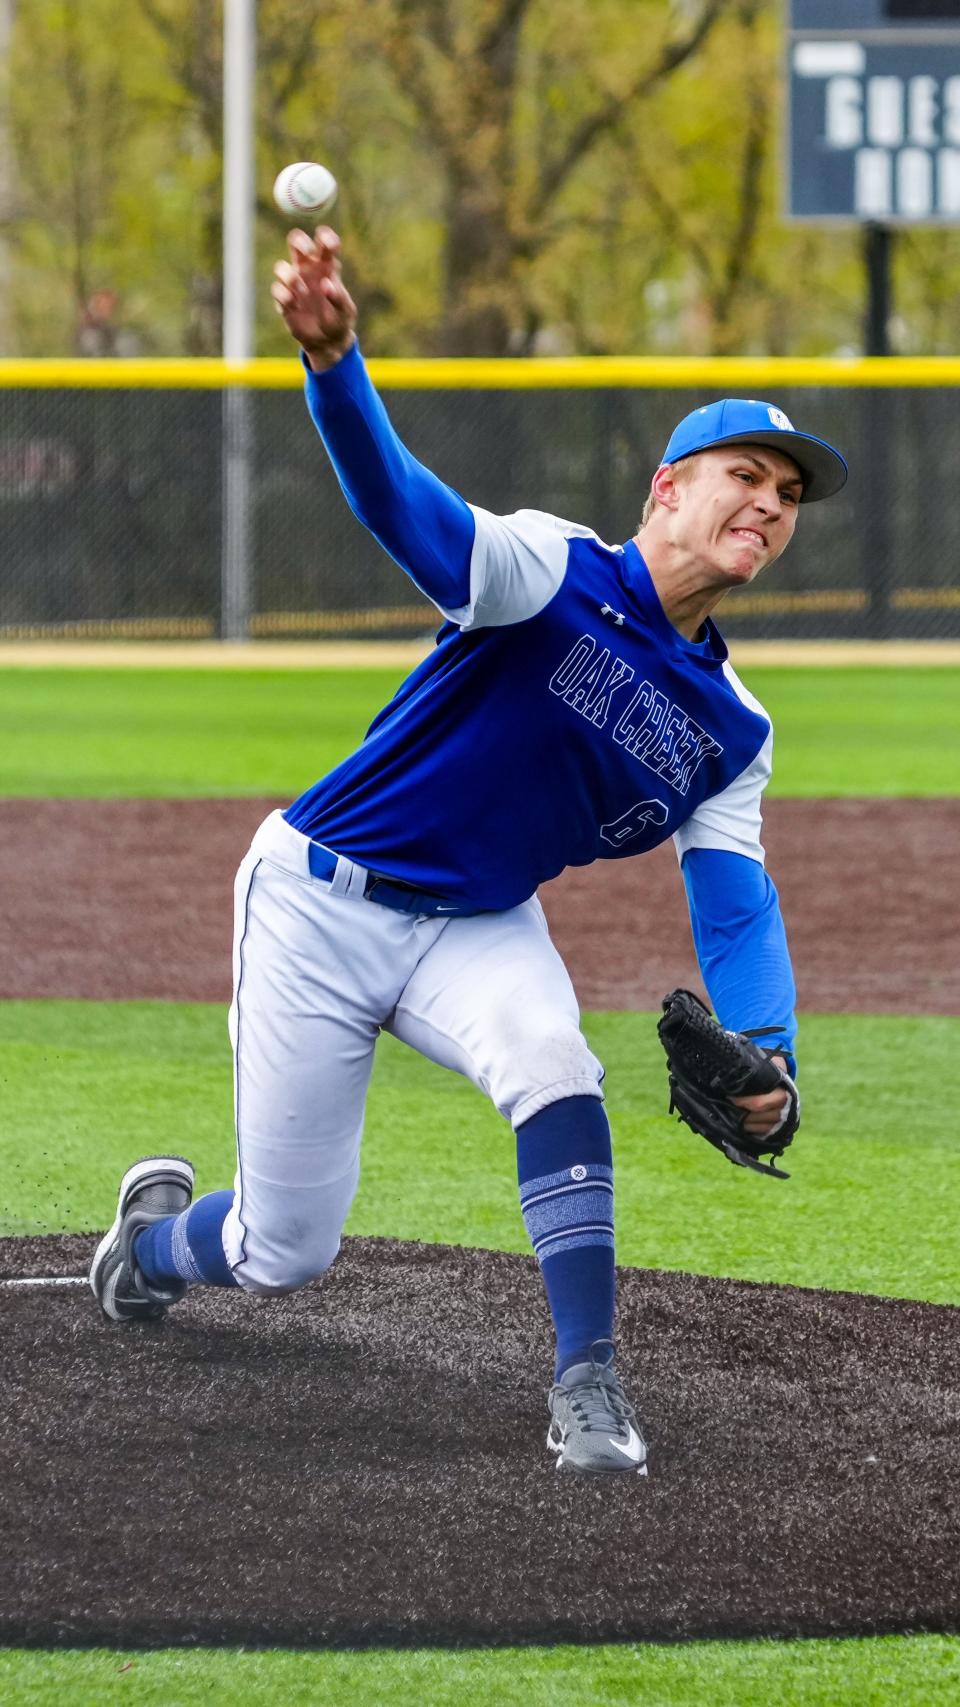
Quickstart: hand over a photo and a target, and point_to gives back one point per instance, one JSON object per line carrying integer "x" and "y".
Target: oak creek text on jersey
{"x": 662, "y": 735}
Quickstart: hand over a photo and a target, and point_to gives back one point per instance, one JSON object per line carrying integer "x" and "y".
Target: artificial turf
{"x": 94, "y": 733}
{"x": 873, "y": 1204}
{"x": 912, "y": 1671}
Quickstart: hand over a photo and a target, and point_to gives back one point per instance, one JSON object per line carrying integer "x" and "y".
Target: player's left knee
{"x": 543, "y": 1066}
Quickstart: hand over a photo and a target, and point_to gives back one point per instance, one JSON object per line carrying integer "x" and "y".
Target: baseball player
{"x": 578, "y": 705}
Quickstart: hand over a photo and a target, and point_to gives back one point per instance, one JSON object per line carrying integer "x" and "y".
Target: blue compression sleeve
{"x": 425, "y": 526}
{"x": 741, "y": 945}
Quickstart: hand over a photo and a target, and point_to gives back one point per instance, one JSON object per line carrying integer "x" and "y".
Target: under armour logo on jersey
{"x": 618, "y": 616}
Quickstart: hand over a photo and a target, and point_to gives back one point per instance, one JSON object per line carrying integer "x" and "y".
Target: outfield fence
{"x": 119, "y": 490}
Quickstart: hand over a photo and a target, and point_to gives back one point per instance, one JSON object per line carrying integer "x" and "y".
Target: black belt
{"x": 389, "y": 891}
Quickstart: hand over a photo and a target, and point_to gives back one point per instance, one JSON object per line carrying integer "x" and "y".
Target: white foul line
{"x": 49, "y": 1280}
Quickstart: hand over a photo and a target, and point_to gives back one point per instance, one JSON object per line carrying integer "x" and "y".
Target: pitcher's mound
{"x": 364, "y": 1462}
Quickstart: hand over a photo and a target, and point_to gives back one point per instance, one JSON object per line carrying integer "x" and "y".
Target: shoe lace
{"x": 598, "y": 1401}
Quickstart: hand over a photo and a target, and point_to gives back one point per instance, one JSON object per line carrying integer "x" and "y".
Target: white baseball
{"x": 305, "y": 187}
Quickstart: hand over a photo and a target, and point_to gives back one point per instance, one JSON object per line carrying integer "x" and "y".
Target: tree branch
{"x": 740, "y": 248}
{"x": 742, "y": 240}
{"x": 406, "y": 63}
{"x": 672, "y": 54}
{"x": 163, "y": 25}
{"x": 295, "y": 62}
{"x": 673, "y": 225}
{"x": 433, "y": 17}
{"x": 508, "y": 20}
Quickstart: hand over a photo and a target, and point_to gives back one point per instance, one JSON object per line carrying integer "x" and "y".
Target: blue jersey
{"x": 590, "y": 729}
{"x": 560, "y": 719}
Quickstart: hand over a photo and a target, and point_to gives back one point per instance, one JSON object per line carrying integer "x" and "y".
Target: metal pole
{"x": 236, "y": 561}
{"x": 878, "y": 567}
{"x": 877, "y": 244}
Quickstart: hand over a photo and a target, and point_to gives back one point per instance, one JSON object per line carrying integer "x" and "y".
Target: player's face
{"x": 738, "y": 509}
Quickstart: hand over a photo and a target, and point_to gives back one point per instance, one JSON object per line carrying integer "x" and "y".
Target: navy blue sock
{"x": 565, "y": 1169}
{"x": 187, "y": 1246}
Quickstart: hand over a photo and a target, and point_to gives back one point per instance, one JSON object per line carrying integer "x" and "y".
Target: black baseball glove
{"x": 708, "y": 1066}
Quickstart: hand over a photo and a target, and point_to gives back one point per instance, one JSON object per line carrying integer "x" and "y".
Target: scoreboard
{"x": 873, "y": 130}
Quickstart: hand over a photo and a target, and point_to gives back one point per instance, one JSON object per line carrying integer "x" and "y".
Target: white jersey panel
{"x": 732, "y": 820}
{"x": 517, "y": 566}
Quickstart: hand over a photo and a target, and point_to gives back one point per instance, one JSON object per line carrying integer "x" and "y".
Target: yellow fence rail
{"x": 467, "y": 373}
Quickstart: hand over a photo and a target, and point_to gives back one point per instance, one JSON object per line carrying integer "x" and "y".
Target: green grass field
{"x": 95, "y": 1084}
{"x": 873, "y": 1205}
{"x": 915, "y": 1671}
{"x": 230, "y": 732}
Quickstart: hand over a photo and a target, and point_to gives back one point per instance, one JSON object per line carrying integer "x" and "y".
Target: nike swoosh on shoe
{"x": 634, "y": 1447}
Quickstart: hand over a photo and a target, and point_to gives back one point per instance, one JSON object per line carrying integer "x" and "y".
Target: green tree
{"x": 512, "y": 99}
{"x": 107, "y": 179}
{"x": 516, "y": 175}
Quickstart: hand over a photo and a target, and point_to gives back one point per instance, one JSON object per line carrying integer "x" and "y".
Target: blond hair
{"x": 681, "y": 471}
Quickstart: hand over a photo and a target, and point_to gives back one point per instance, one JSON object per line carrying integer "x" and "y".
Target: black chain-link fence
{"x": 111, "y": 510}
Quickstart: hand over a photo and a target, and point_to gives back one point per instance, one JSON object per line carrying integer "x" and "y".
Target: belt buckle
{"x": 397, "y": 891}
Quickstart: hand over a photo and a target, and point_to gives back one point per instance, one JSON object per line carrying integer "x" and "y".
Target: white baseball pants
{"x": 319, "y": 972}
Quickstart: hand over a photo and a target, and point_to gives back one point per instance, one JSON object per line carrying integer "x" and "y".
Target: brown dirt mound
{"x": 119, "y": 899}
{"x": 364, "y": 1463}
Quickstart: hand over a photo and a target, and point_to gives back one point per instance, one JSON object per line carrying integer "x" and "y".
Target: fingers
{"x": 313, "y": 269}
{"x": 309, "y": 293}
{"x": 288, "y": 290}
{"x": 291, "y": 285}
{"x": 766, "y": 1106}
{"x": 763, "y": 1115}
{"x": 321, "y": 251}
{"x": 762, "y": 1125}
{"x": 301, "y": 286}
{"x": 284, "y": 287}
{"x": 327, "y": 300}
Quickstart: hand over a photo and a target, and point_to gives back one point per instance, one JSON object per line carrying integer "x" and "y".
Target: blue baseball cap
{"x": 744, "y": 421}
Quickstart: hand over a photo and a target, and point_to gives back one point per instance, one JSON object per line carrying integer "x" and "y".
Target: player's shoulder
{"x": 557, "y": 524}
{"x": 554, "y": 524}
{"x": 742, "y": 692}
{"x": 530, "y": 523}
{"x": 521, "y": 561}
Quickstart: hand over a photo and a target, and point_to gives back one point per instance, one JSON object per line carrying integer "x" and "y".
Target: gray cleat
{"x": 152, "y": 1189}
{"x": 594, "y": 1429}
